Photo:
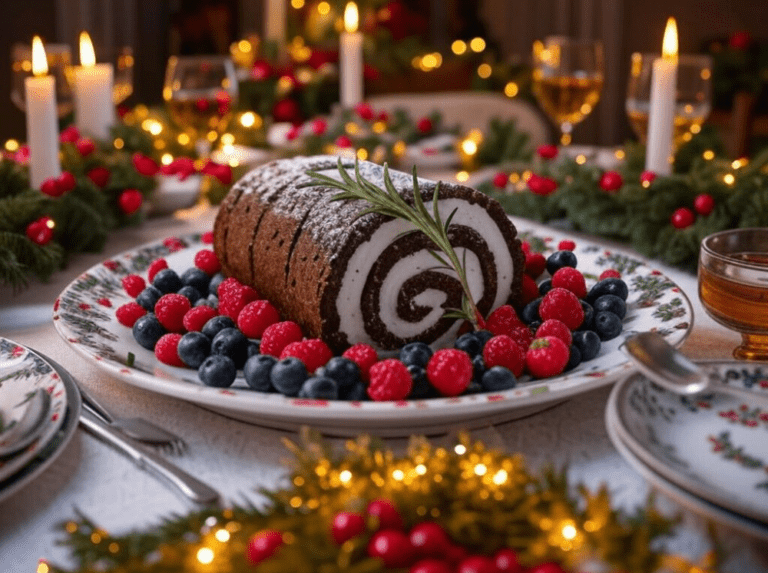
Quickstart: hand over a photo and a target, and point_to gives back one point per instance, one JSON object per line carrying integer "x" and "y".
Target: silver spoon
{"x": 672, "y": 370}
{"x": 30, "y": 426}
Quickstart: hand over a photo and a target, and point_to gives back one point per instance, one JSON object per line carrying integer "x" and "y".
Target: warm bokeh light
{"x": 669, "y": 44}
{"x": 477, "y": 45}
{"x": 459, "y": 47}
{"x": 39, "y": 60}
{"x": 351, "y": 17}
{"x": 87, "y": 55}
{"x": 205, "y": 555}
{"x": 11, "y": 145}
{"x": 511, "y": 89}
{"x": 484, "y": 71}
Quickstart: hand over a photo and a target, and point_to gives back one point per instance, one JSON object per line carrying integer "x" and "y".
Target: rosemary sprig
{"x": 388, "y": 202}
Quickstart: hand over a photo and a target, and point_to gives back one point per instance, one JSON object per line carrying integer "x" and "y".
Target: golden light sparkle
{"x": 205, "y": 555}
{"x": 87, "y": 55}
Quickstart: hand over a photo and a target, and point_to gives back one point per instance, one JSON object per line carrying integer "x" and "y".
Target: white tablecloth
{"x": 237, "y": 458}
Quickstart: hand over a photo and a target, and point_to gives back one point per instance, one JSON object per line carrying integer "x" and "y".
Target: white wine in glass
{"x": 567, "y": 80}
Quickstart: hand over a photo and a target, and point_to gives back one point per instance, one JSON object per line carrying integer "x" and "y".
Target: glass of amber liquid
{"x": 567, "y": 80}
{"x": 733, "y": 286}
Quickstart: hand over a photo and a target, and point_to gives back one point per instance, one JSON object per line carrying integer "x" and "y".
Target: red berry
{"x": 503, "y": 351}
{"x": 40, "y": 231}
{"x": 429, "y": 539}
{"x": 609, "y": 273}
{"x": 255, "y": 317}
{"x": 548, "y": 567}
{"x": 386, "y": 514}
{"x": 570, "y": 279}
{"x": 704, "y": 204}
{"x": 99, "y": 176}
{"x": 647, "y": 177}
{"x": 313, "y": 352}
{"x": 343, "y": 141}
{"x": 476, "y": 564}
{"x": 69, "y": 134}
{"x": 392, "y": 547}
{"x": 506, "y": 561}
{"x": 566, "y": 245}
{"x": 319, "y": 126}
{"x": 535, "y": 263}
{"x": 279, "y": 335}
{"x": 129, "y": 313}
{"x": 611, "y": 181}
{"x": 347, "y": 525}
{"x": 450, "y": 371}
{"x": 546, "y": 357}
{"x": 144, "y": 165}
{"x": 207, "y": 261}
{"x": 51, "y": 187}
{"x": 503, "y": 320}
{"x": 133, "y": 285}
{"x": 85, "y": 146}
{"x": 227, "y": 286}
{"x": 547, "y": 151}
{"x": 530, "y": 290}
{"x": 130, "y": 201}
{"x": 424, "y": 125}
{"x": 541, "y": 185}
{"x": 166, "y": 349}
{"x": 682, "y": 218}
{"x": 525, "y": 246}
{"x": 456, "y": 553}
{"x": 196, "y": 317}
{"x": 364, "y": 110}
{"x": 66, "y": 182}
{"x": 500, "y": 180}
{"x": 389, "y": 380}
{"x": 155, "y": 267}
{"x": 207, "y": 238}
{"x": 364, "y": 356}
{"x": 233, "y": 300}
{"x": 431, "y": 566}
{"x": 170, "y": 310}
{"x": 554, "y": 327}
{"x": 522, "y": 335}
{"x": 563, "y": 305}
{"x": 105, "y": 302}
{"x": 262, "y": 546}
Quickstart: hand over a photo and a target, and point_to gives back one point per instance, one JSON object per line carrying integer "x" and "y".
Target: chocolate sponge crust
{"x": 292, "y": 243}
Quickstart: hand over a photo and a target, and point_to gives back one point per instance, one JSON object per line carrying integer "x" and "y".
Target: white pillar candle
{"x": 94, "y": 106}
{"x": 661, "y": 116}
{"x": 42, "y": 122}
{"x": 351, "y": 59}
{"x": 275, "y": 19}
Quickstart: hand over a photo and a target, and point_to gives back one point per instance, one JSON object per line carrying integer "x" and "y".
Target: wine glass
{"x": 567, "y": 79}
{"x": 59, "y": 66}
{"x": 199, "y": 92}
{"x": 123, "y": 86}
{"x": 693, "y": 95}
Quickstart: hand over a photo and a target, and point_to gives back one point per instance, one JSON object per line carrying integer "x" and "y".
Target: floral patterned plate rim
{"x": 23, "y": 372}
{"x": 712, "y": 445}
{"x": 84, "y": 315}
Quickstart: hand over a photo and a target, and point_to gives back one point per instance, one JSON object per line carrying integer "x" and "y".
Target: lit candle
{"x": 351, "y": 59}
{"x": 42, "y": 127}
{"x": 94, "y": 107}
{"x": 661, "y": 116}
{"x": 275, "y": 23}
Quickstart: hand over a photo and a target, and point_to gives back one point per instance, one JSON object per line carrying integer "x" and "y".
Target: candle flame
{"x": 669, "y": 45}
{"x": 87, "y": 55}
{"x": 39, "y": 61}
{"x": 351, "y": 17}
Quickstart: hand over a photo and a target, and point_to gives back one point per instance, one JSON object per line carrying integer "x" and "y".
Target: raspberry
{"x": 206, "y": 260}
{"x": 129, "y": 313}
{"x": 227, "y": 286}
{"x": 554, "y": 327}
{"x": 503, "y": 351}
{"x": 503, "y": 320}
{"x": 166, "y": 349}
{"x": 609, "y": 273}
{"x": 170, "y": 310}
{"x": 155, "y": 267}
{"x": 570, "y": 279}
{"x": 530, "y": 290}
{"x": 255, "y": 317}
{"x": 195, "y": 318}
{"x": 313, "y": 352}
{"x": 563, "y": 305}
{"x": 522, "y": 335}
{"x": 566, "y": 245}
{"x": 133, "y": 285}
{"x": 535, "y": 263}
{"x": 207, "y": 238}
{"x": 525, "y": 246}
{"x": 450, "y": 371}
{"x": 279, "y": 335}
{"x": 546, "y": 357}
{"x": 364, "y": 356}
{"x": 234, "y": 300}
{"x": 390, "y": 380}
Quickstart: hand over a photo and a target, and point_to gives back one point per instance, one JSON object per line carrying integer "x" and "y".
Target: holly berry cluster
{"x": 424, "y": 548}
{"x": 200, "y": 319}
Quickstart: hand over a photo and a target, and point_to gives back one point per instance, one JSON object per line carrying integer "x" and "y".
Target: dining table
{"x": 238, "y": 458}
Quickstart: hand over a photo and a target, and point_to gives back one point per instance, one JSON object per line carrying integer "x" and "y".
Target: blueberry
{"x": 416, "y": 353}
{"x": 203, "y": 302}
{"x": 216, "y": 324}
{"x": 483, "y": 336}
{"x": 167, "y": 281}
{"x": 254, "y": 347}
{"x": 560, "y": 259}
{"x": 213, "y": 286}
{"x": 478, "y": 367}
{"x": 607, "y": 325}
{"x": 574, "y": 358}
{"x": 589, "y": 316}
{"x": 469, "y": 343}
{"x": 611, "y": 285}
{"x": 232, "y": 343}
{"x": 421, "y": 386}
{"x": 197, "y": 278}
{"x": 545, "y": 286}
{"x": 148, "y": 298}
{"x": 531, "y": 311}
{"x": 358, "y": 393}
{"x": 288, "y": 375}
{"x": 218, "y": 371}
{"x": 474, "y": 388}
{"x": 194, "y": 348}
{"x": 498, "y": 378}
{"x": 611, "y": 303}
{"x": 588, "y": 343}
{"x": 192, "y": 294}
{"x": 345, "y": 372}
{"x": 257, "y": 371}
{"x": 213, "y": 300}
{"x": 147, "y": 331}
{"x": 534, "y": 326}
{"x": 319, "y": 388}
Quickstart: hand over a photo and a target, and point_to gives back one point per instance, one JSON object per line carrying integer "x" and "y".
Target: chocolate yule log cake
{"x": 348, "y": 278}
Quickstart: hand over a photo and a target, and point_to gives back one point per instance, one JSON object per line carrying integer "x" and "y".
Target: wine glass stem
{"x": 565, "y": 133}
{"x": 203, "y": 147}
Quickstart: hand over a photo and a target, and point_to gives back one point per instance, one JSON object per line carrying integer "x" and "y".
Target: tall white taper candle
{"x": 42, "y": 122}
{"x": 94, "y": 106}
{"x": 661, "y": 116}
{"x": 351, "y": 59}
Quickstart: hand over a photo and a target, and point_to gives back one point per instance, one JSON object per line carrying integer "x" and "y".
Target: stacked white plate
{"x": 709, "y": 453}
{"x": 22, "y": 373}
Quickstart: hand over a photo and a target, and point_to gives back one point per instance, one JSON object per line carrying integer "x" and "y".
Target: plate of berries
{"x": 162, "y": 317}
